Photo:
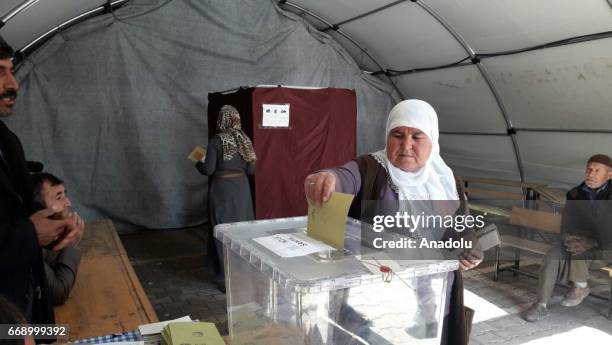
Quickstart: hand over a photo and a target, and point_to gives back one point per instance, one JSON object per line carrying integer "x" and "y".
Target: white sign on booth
{"x": 275, "y": 115}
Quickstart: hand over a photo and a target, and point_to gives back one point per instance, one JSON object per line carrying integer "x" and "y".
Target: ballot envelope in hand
{"x": 197, "y": 154}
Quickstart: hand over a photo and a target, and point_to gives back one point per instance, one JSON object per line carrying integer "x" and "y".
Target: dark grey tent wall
{"x": 114, "y": 104}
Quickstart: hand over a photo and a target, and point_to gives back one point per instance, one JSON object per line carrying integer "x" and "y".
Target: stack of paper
{"x": 191, "y": 333}
{"x": 151, "y": 332}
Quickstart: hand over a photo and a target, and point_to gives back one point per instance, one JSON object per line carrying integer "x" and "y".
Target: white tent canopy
{"x": 521, "y": 87}
{"x": 539, "y": 69}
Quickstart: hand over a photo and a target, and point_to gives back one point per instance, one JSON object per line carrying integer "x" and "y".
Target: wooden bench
{"x": 555, "y": 196}
{"x": 488, "y": 209}
{"x": 531, "y": 219}
{"x": 609, "y": 271}
{"x": 107, "y": 296}
{"x": 480, "y": 192}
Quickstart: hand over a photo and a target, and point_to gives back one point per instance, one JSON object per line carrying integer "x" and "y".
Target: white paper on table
{"x": 154, "y": 328}
{"x": 275, "y": 115}
{"x": 124, "y": 343}
{"x": 292, "y": 245}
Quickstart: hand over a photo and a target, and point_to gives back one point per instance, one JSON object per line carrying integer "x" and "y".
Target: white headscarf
{"x": 435, "y": 180}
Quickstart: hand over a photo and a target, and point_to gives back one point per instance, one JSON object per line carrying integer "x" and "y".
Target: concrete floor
{"x": 500, "y": 306}
{"x": 170, "y": 265}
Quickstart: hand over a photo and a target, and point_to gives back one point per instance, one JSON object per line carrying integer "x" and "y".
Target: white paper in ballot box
{"x": 328, "y": 299}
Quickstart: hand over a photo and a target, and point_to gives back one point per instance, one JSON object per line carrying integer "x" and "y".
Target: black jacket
{"x": 22, "y": 278}
{"x": 590, "y": 218}
{"x": 458, "y": 323}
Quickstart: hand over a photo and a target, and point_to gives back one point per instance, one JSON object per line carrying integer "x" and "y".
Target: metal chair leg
{"x": 517, "y": 261}
{"x": 610, "y": 300}
{"x": 496, "y": 274}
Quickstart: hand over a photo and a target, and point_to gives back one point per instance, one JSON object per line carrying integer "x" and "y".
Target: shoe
{"x": 536, "y": 312}
{"x": 423, "y": 331}
{"x": 575, "y": 296}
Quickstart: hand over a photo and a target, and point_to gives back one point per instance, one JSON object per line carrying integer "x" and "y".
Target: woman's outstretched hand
{"x": 318, "y": 187}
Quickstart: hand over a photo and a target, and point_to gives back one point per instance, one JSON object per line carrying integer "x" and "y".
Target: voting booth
{"x": 286, "y": 288}
{"x": 295, "y": 131}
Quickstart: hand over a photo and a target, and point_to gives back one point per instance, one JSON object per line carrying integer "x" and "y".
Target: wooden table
{"x": 555, "y": 195}
{"x": 500, "y": 182}
{"x": 527, "y": 187}
{"x": 107, "y": 296}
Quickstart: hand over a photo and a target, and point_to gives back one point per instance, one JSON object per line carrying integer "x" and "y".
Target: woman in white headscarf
{"x": 409, "y": 168}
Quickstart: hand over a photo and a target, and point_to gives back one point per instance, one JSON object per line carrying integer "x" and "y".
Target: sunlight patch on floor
{"x": 485, "y": 309}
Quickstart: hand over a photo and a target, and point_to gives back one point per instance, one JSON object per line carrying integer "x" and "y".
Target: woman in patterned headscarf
{"x": 233, "y": 138}
{"x": 230, "y": 157}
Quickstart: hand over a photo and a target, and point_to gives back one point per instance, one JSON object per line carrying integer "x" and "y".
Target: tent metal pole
{"x": 345, "y": 35}
{"x": 449, "y": 28}
{"x": 479, "y": 57}
{"x": 545, "y": 130}
{"x": 474, "y": 133}
{"x": 510, "y": 129}
{"x": 488, "y": 80}
{"x": 564, "y": 130}
{"x": 15, "y": 11}
{"x": 376, "y": 10}
{"x": 68, "y": 23}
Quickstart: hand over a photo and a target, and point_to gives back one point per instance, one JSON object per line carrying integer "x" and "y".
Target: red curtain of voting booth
{"x": 320, "y": 133}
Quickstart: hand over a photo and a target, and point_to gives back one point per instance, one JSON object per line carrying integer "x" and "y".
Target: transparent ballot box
{"x": 328, "y": 297}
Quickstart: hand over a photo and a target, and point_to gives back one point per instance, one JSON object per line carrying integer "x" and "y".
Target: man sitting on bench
{"x": 585, "y": 236}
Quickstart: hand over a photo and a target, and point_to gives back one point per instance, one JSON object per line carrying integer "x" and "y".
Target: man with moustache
{"x": 24, "y": 232}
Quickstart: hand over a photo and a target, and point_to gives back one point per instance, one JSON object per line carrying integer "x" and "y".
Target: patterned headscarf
{"x": 233, "y": 138}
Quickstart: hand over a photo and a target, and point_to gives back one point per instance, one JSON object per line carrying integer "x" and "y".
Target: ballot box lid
{"x": 319, "y": 271}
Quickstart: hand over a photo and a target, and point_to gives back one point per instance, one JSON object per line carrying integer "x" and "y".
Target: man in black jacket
{"x": 23, "y": 232}
{"x": 586, "y": 236}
